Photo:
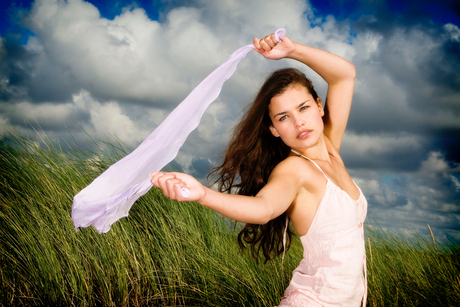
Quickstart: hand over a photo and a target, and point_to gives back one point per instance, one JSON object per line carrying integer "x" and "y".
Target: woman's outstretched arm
{"x": 336, "y": 71}
{"x": 271, "y": 201}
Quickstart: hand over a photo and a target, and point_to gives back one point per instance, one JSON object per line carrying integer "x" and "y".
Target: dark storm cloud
{"x": 28, "y": 74}
{"x": 27, "y": 117}
{"x": 437, "y": 60}
{"x": 201, "y": 167}
{"x": 15, "y": 66}
{"x": 444, "y": 68}
{"x": 448, "y": 142}
{"x": 423, "y": 61}
{"x": 398, "y": 156}
{"x": 414, "y": 78}
{"x": 420, "y": 201}
{"x": 52, "y": 84}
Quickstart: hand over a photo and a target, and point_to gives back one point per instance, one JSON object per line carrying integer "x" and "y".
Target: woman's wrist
{"x": 294, "y": 53}
{"x": 204, "y": 199}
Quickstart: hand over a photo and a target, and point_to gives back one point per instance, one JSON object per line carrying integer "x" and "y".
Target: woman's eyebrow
{"x": 284, "y": 112}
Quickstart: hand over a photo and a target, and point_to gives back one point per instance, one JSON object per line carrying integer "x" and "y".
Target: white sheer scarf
{"x": 110, "y": 196}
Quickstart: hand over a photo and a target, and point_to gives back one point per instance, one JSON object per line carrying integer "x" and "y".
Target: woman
{"x": 285, "y": 152}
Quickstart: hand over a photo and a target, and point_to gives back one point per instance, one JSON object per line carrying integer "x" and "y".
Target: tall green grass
{"x": 165, "y": 253}
{"x": 412, "y": 272}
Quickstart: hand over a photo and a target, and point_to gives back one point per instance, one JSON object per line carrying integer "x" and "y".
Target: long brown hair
{"x": 252, "y": 154}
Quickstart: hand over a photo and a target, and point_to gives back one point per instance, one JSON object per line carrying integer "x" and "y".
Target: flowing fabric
{"x": 110, "y": 196}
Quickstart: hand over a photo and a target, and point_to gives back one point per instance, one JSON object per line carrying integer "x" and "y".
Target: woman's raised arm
{"x": 340, "y": 77}
{"x": 336, "y": 71}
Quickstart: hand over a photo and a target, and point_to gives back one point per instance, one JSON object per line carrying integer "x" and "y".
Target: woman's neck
{"x": 317, "y": 152}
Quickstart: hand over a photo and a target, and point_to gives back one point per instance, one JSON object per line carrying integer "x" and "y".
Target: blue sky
{"x": 437, "y": 11}
{"x": 120, "y": 67}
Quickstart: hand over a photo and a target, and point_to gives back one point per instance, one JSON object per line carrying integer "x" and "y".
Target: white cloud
{"x": 435, "y": 163}
{"x": 41, "y": 113}
{"x": 122, "y": 58}
{"x": 365, "y": 145}
{"x": 108, "y": 119}
{"x": 453, "y": 31}
{"x": 456, "y": 182}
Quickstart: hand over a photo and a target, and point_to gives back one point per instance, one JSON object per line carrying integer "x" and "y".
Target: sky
{"x": 80, "y": 69}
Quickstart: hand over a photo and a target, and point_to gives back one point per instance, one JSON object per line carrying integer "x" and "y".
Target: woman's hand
{"x": 270, "y": 48}
{"x": 172, "y": 183}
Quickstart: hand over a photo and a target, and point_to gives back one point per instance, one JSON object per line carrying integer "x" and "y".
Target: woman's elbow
{"x": 351, "y": 71}
{"x": 264, "y": 218}
{"x": 270, "y": 216}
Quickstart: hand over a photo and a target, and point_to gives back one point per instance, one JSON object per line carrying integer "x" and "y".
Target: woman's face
{"x": 296, "y": 118}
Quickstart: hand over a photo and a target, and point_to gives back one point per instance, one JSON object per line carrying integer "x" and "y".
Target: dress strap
{"x": 311, "y": 161}
{"x": 284, "y": 237}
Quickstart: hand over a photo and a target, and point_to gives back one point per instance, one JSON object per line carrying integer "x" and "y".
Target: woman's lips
{"x": 304, "y": 134}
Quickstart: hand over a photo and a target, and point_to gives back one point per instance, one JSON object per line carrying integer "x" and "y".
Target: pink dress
{"x": 333, "y": 269}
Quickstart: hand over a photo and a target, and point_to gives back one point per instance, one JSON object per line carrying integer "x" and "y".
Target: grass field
{"x": 166, "y": 253}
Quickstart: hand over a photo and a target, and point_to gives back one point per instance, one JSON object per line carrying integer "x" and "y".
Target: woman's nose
{"x": 299, "y": 122}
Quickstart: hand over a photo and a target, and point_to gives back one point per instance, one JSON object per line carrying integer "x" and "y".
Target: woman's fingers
{"x": 172, "y": 184}
{"x": 265, "y": 44}
{"x": 268, "y": 42}
{"x": 256, "y": 43}
{"x": 154, "y": 177}
{"x": 168, "y": 183}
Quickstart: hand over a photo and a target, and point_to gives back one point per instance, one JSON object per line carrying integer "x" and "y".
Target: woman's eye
{"x": 303, "y": 108}
{"x": 283, "y": 118}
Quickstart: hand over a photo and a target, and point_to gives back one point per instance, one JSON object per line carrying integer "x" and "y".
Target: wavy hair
{"x": 252, "y": 154}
